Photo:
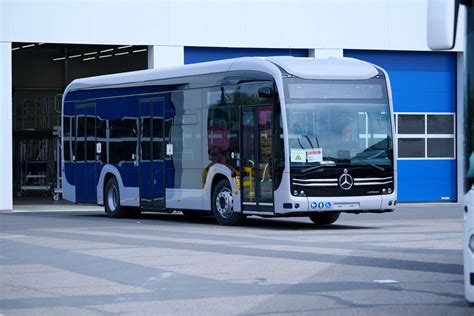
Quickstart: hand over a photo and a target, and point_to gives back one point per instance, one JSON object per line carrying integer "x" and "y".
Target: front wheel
{"x": 223, "y": 205}
{"x": 325, "y": 218}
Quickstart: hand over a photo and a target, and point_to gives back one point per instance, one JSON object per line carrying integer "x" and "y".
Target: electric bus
{"x": 277, "y": 136}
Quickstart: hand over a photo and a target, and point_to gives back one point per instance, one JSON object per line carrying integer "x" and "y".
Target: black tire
{"x": 325, "y": 218}
{"x": 112, "y": 200}
{"x": 223, "y": 205}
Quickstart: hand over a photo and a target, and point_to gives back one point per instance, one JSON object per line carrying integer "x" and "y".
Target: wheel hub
{"x": 225, "y": 203}
{"x": 112, "y": 198}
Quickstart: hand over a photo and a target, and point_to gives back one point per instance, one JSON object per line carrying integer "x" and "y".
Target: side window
{"x": 80, "y": 137}
{"x": 91, "y": 135}
{"x": 67, "y": 138}
{"x": 101, "y": 126}
{"x": 221, "y": 96}
{"x": 187, "y": 141}
{"x": 223, "y": 135}
{"x": 122, "y": 139}
{"x": 256, "y": 93}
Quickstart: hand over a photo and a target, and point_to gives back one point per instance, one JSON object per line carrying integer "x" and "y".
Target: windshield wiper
{"x": 371, "y": 164}
{"x": 309, "y": 169}
{"x": 375, "y": 166}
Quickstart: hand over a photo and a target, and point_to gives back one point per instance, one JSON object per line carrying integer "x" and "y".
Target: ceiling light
{"x": 140, "y": 50}
{"x": 41, "y": 44}
{"x": 74, "y": 56}
{"x": 16, "y": 48}
{"x": 105, "y": 56}
{"x": 90, "y": 53}
{"x": 90, "y": 58}
{"x": 124, "y": 53}
{"x": 59, "y": 58}
{"x": 107, "y": 50}
{"x": 27, "y": 46}
{"x": 123, "y": 47}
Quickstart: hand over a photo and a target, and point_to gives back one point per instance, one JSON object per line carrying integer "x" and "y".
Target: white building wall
{"x": 165, "y": 56}
{"x": 325, "y": 27}
{"x": 349, "y": 24}
{"x": 6, "y": 161}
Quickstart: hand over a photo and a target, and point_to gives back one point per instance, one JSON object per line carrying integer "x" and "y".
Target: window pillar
{"x": 165, "y": 56}
{"x": 6, "y": 161}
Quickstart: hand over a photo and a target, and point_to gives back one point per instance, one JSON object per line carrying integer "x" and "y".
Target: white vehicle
{"x": 469, "y": 156}
{"x": 442, "y": 21}
{"x": 279, "y": 136}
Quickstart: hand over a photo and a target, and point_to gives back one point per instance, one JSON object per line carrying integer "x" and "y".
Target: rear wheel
{"x": 112, "y": 200}
{"x": 324, "y": 218}
{"x": 223, "y": 205}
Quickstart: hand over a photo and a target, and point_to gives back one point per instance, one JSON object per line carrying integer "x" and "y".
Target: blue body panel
{"x": 84, "y": 175}
{"x": 421, "y": 82}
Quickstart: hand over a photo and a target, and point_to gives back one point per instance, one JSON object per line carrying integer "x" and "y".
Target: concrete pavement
{"x": 408, "y": 262}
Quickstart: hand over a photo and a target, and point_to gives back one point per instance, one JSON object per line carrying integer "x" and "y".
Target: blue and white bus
{"x": 280, "y": 136}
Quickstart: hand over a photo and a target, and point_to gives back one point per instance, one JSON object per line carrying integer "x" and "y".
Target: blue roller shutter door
{"x": 424, "y": 98}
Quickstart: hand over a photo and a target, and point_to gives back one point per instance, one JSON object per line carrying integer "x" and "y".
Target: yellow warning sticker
{"x": 298, "y": 155}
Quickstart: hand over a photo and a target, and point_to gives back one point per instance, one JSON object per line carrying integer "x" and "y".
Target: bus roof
{"x": 307, "y": 68}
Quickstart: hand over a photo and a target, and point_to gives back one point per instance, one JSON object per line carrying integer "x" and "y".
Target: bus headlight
{"x": 471, "y": 243}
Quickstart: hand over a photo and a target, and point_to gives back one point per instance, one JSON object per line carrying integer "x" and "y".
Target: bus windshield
{"x": 350, "y": 130}
{"x": 339, "y": 133}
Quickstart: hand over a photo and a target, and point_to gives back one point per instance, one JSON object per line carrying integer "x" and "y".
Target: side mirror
{"x": 442, "y": 20}
{"x": 265, "y": 92}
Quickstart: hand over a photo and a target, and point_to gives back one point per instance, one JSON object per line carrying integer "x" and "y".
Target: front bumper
{"x": 348, "y": 204}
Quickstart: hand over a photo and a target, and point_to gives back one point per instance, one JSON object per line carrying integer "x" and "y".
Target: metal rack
{"x": 33, "y": 164}
{"x": 37, "y": 143}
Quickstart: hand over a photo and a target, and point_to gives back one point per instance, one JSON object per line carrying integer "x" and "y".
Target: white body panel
{"x": 468, "y": 254}
{"x": 219, "y": 169}
{"x": 129, "y": 196}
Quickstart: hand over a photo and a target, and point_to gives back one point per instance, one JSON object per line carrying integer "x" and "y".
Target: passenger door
{"x": 256, "y": 167}
{"x": 85, "y": 160}
{"x": 152, "y": 154}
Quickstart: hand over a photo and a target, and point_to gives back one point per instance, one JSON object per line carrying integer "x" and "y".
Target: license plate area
{"x": 346, "y": 206}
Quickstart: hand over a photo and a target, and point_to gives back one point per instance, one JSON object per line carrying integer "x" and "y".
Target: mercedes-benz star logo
{"x": 346, "y": 181}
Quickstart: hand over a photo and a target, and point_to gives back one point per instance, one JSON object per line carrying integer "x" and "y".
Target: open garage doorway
{"x": 40, "y": 73}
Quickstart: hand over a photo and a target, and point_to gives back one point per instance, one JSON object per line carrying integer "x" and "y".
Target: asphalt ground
{"x": 63, "y": 259}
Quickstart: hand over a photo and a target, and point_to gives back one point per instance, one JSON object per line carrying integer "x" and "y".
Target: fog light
{"x": 302, "y": 193}
{"x": 389, "y": 190}
{"x": 295, "y": 192}
{"x": 384, "y": 191}
{"x": 471, "y": 243}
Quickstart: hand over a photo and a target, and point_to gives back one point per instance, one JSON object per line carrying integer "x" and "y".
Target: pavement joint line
{"x": 387, "y": 281}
